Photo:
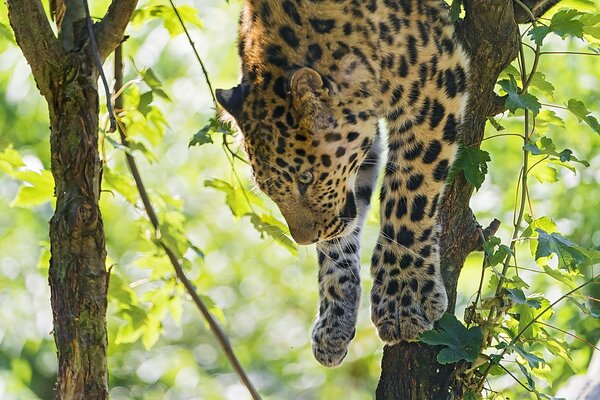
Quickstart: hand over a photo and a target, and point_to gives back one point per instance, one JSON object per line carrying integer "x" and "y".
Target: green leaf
{"x": 267, "y": 225}
{"x": 539, "y": 33}
{"x": 517, "y": 100}
{"x": 539, "y": 83}
{"x": 10, "y": 159}
{"x": 21, "y": 370}
{"x": 234, "y": 196}
{"x": 133, "y": 328}
{"x": 525, "y": 317}
{"x": 144, "y": 104}
{"x": 569, "y": 254}
{"x": 544, "y": 173}
{"x": 561, "y": 276}
{"x": 583, "y": 307}
{"x": 545, "y": 146}
{"x": 518, "y": 296}
{"x": 567, "y": 23}
{"x": 460, "y": 343}
{"x": 583, "y": 114}
{"x": 496, "y": 251}
{"x": 473, "y": 162}
{"x": 533, "y": 360}
{"x": 455, "y": 9}
{"x": 530, "y": 381}
{"x": 39, "y": 188}
{"x": 214, "y": 310}
{"x": 546, "y": 119}
{"x": 471, "y": 395}
{"x": 497, "y": 126}
{"x": 204, "y": 135}
{"x": 154, "y": 83}
{"x": 120, "y": 183}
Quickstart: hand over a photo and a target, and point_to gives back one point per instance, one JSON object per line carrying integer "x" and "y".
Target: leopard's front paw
{"x": 402, "y": 310}
{"x": 330, "y": 341}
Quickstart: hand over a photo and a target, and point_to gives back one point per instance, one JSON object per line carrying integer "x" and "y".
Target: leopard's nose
{"x": 304, "y": 236}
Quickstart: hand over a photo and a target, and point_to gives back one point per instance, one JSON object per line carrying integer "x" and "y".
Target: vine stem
{"x": 214, "y": 325}
{"x": 519, "y": 212}
{"x": 523, "y": 184}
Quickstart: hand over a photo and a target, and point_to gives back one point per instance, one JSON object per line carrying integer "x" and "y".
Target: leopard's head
{"x": 305, "y": 138}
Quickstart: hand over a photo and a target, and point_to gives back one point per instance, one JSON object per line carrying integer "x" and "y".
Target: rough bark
{"x": 490, "y": 34}
{"x": 78, "y": 276}
{"x": 67, "y": 77}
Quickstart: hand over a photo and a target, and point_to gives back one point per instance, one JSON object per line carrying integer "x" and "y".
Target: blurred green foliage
{"x": 233, "y": 243}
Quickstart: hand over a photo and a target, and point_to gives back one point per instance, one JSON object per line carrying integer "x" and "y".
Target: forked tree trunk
{"x": 490, "y": 34}
{"x": 65, "y": 71}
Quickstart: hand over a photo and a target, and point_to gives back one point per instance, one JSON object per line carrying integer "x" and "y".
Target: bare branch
{"x": 537, "y": 7}
{"x": 35, "y": 38}
{"x": 110, "y": 30}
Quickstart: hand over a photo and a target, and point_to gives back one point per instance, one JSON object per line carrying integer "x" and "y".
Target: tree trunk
{"x": 490, "y": 35}
{"x": 78, "y": 276}
{"x": 66, "y": 72}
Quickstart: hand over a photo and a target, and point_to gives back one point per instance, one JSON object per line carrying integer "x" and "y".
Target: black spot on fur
{"x": 322, "y": 25}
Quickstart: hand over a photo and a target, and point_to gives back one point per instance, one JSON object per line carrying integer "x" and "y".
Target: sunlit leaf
{"x": 21, "y": 370}
{"x": 268, "y": 225}
{"x": 539, "y": 82}
{"x": 544, "y": 173}
{"x": 37, "y": 190}
{"x": 583, "y": 114}
{"x": 120, "y": 183}
{"x": 234, "y": 196}
{"x": 204, "y": 135}
{"x": 533, "y": 360}
{"x": 525, "y": 317}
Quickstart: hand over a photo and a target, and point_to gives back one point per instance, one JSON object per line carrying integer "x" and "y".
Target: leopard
{"x": 333, "y": 96}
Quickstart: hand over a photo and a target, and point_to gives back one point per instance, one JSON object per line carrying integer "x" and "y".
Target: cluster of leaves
{"x": 511, "y": 331}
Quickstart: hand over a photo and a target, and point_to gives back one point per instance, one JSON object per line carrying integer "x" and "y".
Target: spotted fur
{"x": 317, "y": 78}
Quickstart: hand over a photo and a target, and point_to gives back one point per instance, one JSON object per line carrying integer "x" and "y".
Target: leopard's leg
{"x": 408, "y": 293}
{"x": 339, "y": 274}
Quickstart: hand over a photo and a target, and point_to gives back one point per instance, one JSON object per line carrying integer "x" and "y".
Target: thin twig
{"x": 579, "y": 53}
{"x": 96, "y": 54}
{"x": 215, "y": 327}
{"x": 204, "y": 71}
{"x": 516, "y": 379}
{"x": 569, "y": 334}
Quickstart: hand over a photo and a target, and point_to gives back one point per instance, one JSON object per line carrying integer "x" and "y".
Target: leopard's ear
{"x": 311, "y": 99}
{"x": 231, "y": 100}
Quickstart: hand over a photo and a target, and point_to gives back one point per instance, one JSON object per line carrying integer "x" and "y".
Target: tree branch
{"x": 110, "y": 30}
{"x": 35, "y": 38}
{"x": 497, "y": 105}
{"x": 214, "y": 325}
{"x": 537, "y": 7}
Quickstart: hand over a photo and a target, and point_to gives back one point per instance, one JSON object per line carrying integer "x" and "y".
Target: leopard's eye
{"x": 306, "y": 177}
